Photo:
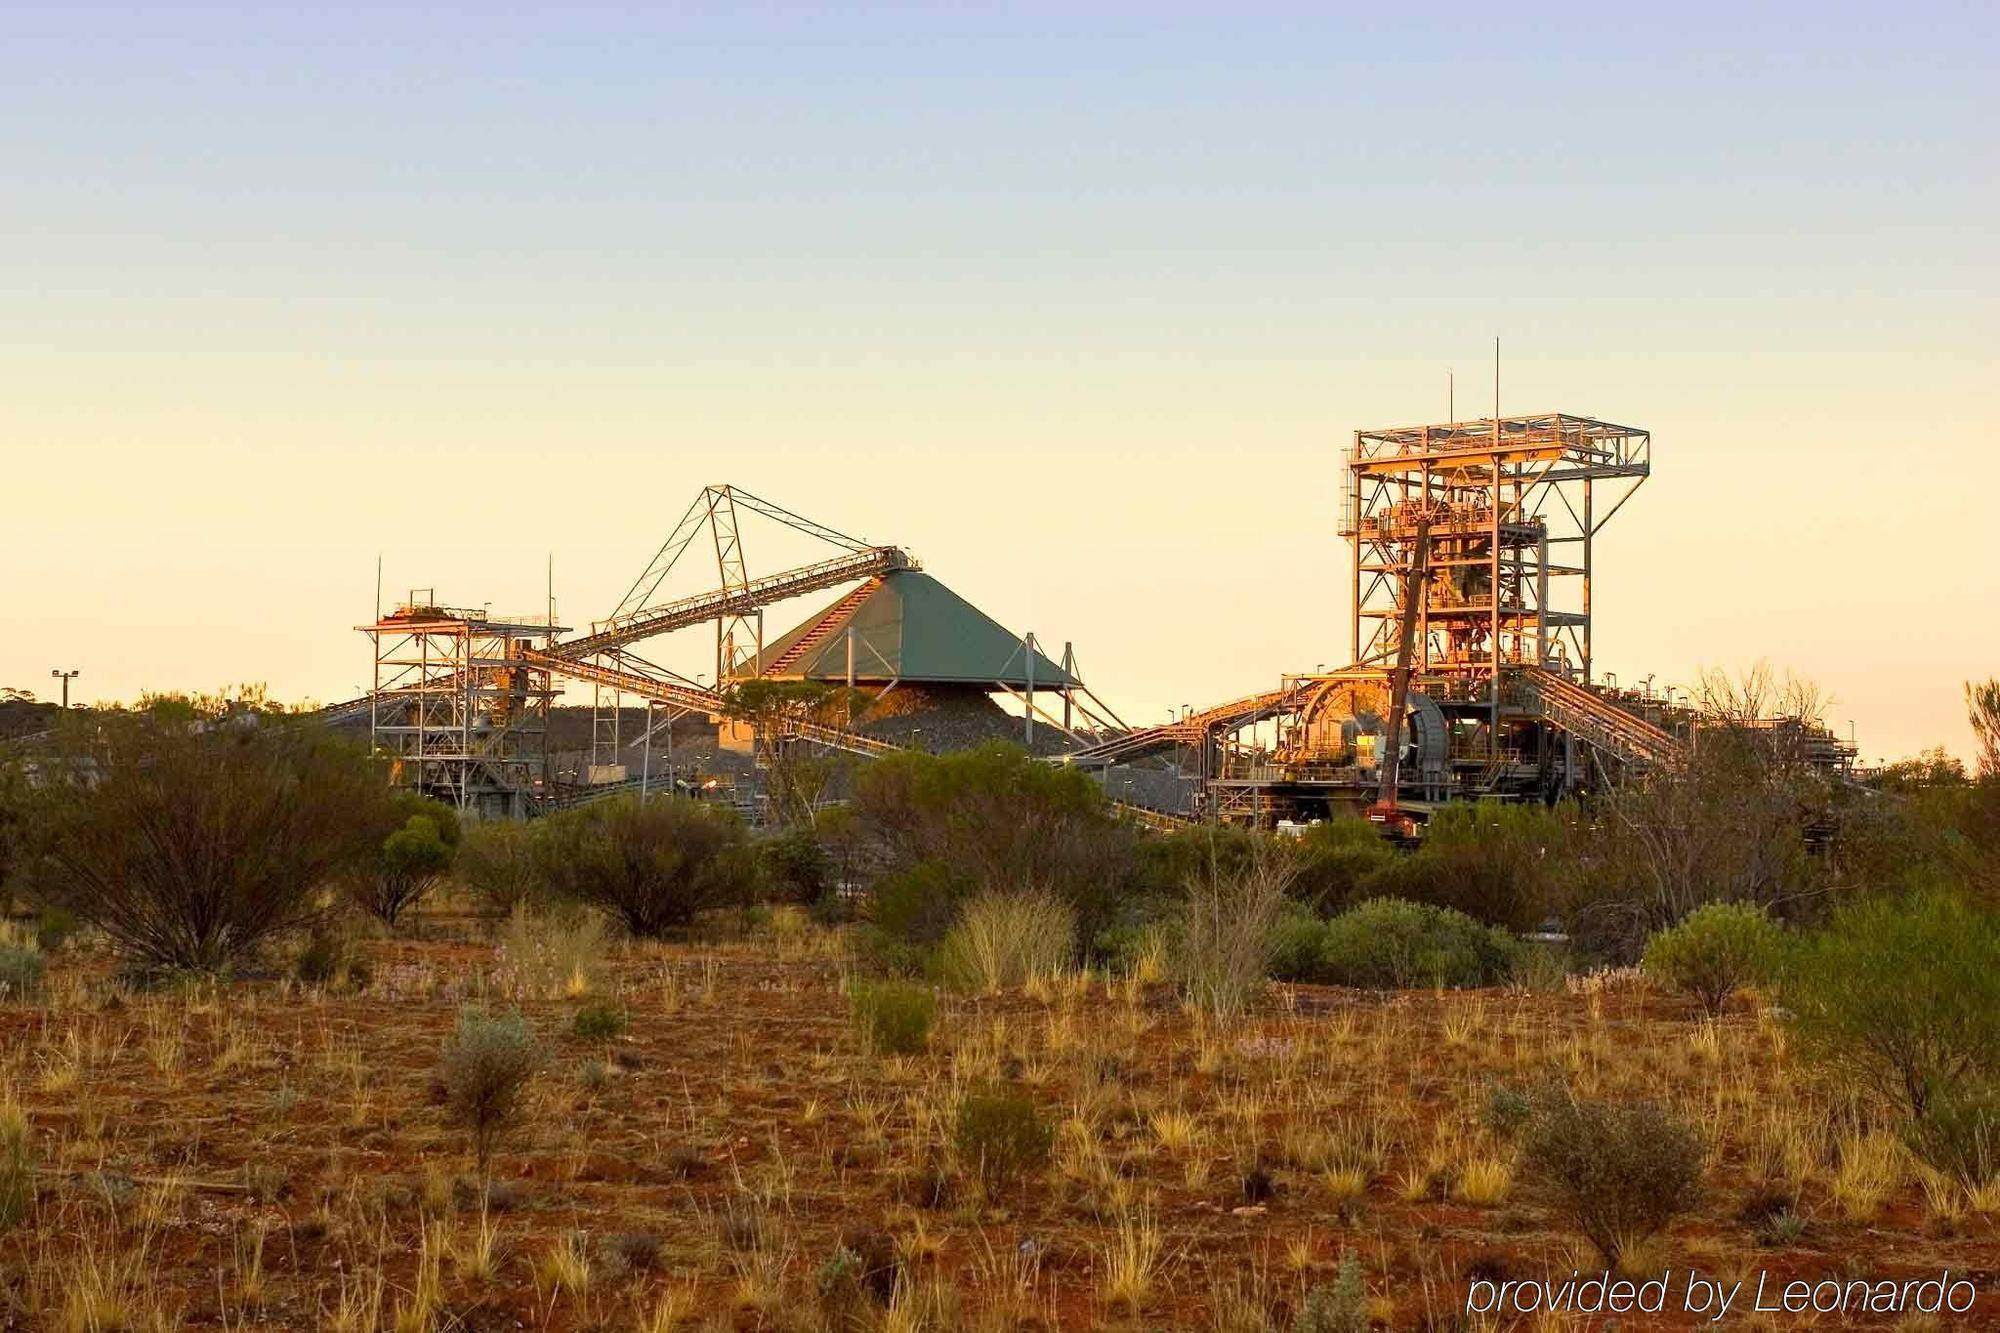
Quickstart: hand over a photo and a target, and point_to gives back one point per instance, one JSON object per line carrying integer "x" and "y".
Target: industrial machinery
{"x": 460, "y": 699}
{"x": 1473, "y": 548}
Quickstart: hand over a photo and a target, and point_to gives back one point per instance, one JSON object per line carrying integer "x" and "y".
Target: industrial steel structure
{"x": 461, "y": 699}
{"x": 1473, "y": 544}
{"x": 460, "y": 704}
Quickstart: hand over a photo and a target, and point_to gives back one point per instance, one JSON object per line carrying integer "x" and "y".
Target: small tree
{"x": 415, "y": 852}
{"x": 1716, "y": 951}
{"x": 190, "y": 841}
{"x": 797, "y": 780}
{"x": 652, "y": 864}
{"x": 1620, "y": 1171}
{"x": 1901, "y": 995}
{"x": 486, "y": 1066}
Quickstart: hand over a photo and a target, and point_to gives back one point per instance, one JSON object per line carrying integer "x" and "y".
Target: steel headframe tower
{"x": 1509, "y": 509}
{"x": 459, "y": 705}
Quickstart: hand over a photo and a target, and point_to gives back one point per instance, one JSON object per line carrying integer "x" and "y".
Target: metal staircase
{"x": 821, "y": 630}
{"x": 1597, "y": 721}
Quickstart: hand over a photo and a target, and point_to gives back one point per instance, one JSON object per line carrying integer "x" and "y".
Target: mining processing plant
{"x": 1473, "y": 546}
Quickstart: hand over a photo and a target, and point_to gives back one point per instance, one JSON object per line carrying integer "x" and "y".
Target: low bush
{"x": 598, "y": 1021}
{"x": 1902, "y": 995}
{"x": 878, "y": 953}
{"x": 1001, "y": 1138}
{"x": 1715, "y": 951}
{"x": 1959, "y": 1135}
{"x": 499, "y": 860}
{"x": 485, "y": 1067}
{"x": 652, "y": 864}
{"x": 1488, "y": 859}
{"x": 1619, "y": 1171}
{"x": 1005, "y": 939}
{"x": 21, "y": 972}
{"x": 330, "y": 956}
{"x": 1338, "y": 859}
{"x": 797, "y": 866}
{"x": 1298, "y": 940}
{"x": 1340, "y": 1306}
{"x": 894, "y": 1017}
{"x": 1389, "y": 944}
{"x": 918, "y": 905}
{"x": 1004, "y": 820}
{"x": 1539, "y": 967}
{"x": 1506, "y": 1111}
{"x": 53, "y": 927}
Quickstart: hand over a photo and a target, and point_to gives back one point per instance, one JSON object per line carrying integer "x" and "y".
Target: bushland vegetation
{"x": 969, "y": 1051}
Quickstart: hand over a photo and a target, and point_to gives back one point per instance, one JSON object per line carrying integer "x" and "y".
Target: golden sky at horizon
{"x": 1084, "y": 316}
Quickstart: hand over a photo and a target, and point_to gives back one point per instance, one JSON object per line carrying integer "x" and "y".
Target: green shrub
{"x": 1337, "y": 859}
{"x": 894, "y": 1017}
{"x": 1539, "y": 967}
{"x": 329, "y": 957}
{"x": 485, "y": 1068}
{"x": 653, "y": 864}
{"x": 1004, "y": 939}
{"x": 1001, "y": 1137}
{"x": 192, "y": 848}
{"x": 1298, "y": 941}
{"x": 1004, "y": 820}
{"x": 797, "y": 866}
{"x": 1715, "y": 951}
{"x": 499, "y": 860}
{"x": 1132, "y": 947}
{"x": 1499, "y": 863}
{"x": 21, "y": 972}
{"x": 1506, "y": 1111}
{"x": 1960, "y": 1134}
{"x": 1619, "y": 1171}
{"x": 1389, "y": 944}
{"x": 879, "y": 953}
{"x": 1901, "y": 995}
{"x": 53, "y": 927}
{"x": 918, "y": 904}
{"x": 599, "y": 1021}
{"x": 1340, "y": 1306}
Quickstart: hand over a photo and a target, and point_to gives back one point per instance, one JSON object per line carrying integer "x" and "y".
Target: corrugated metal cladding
{"x": 911, "y": 628}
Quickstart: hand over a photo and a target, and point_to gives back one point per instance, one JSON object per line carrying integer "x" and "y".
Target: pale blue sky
{"x": 1082, "y": 307}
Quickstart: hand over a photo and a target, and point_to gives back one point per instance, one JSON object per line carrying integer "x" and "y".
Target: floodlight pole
{"x": 66, "y": 677}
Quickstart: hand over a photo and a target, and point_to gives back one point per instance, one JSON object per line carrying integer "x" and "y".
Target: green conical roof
{"x": 909, "y": 627}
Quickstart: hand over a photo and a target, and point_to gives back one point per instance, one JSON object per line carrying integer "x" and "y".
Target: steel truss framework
{"x": 1509, "y": 510}
{"x": 460, "y": 706}
{"x": 435, "y": 677}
